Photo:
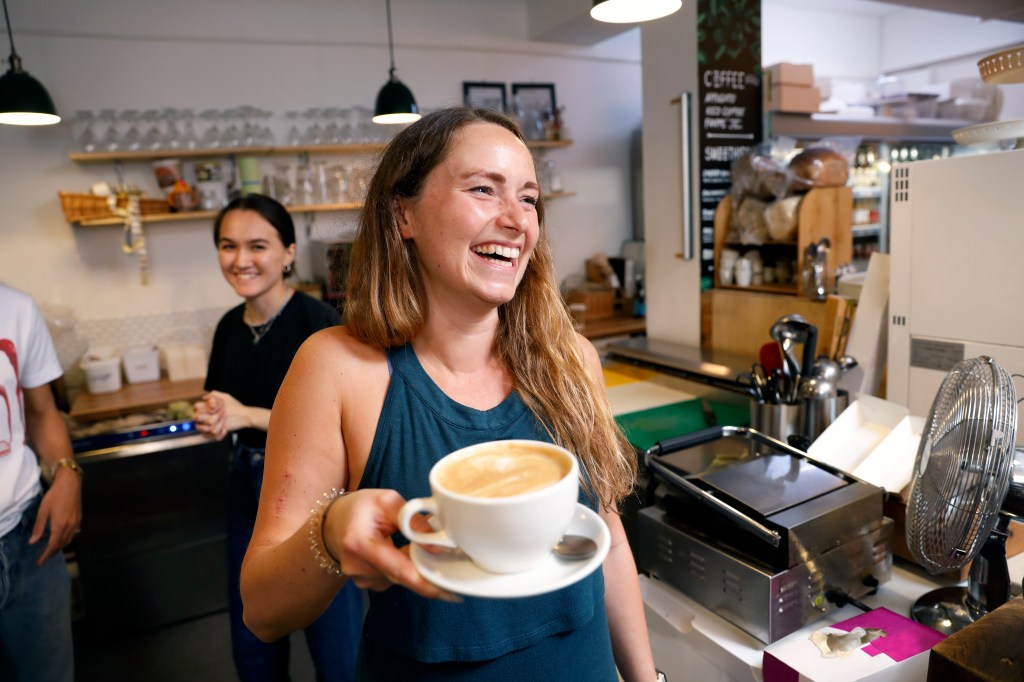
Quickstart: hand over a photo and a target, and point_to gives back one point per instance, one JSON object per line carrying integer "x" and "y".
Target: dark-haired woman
{"x": 253, "y": 347}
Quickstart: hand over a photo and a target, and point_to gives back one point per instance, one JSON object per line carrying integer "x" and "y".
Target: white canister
{"x": 744, "y": 272}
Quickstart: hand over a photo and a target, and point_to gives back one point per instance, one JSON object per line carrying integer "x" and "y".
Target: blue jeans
{"x": 35, "y": 609}
{"x": 333, "y": 638}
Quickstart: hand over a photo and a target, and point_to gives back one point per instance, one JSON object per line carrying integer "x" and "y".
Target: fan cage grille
{"x": 964, "y": 465}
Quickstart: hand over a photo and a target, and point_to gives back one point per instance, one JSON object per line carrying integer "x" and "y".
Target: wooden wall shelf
{"x": 360, "y": 148}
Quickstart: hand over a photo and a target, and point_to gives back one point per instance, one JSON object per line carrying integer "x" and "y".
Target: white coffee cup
{"x": 498, "y": 531}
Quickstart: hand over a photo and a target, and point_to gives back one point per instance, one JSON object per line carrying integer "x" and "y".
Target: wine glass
{"x": 332, "y": 131}
{"x": 86, "y": 137}
{"x": 212, "y": 138}
{"x": 189, "y": 139}
{"x": 232, "y": 135}
{"x": 314, "y": 133}
{"x": 131, "y": 139}
{"x": 171, "y": 138}
{"x": 294, "y": 136}
{"x": 152, "y": 139}
{"x": 111, "y": 140}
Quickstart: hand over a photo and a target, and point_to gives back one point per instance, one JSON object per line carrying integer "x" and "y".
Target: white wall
{"x": 838, "y": 44}
{"x": 201, "y": 54}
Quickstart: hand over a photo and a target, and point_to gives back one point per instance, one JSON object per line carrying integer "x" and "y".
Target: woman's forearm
{"x": 283, "y": 587}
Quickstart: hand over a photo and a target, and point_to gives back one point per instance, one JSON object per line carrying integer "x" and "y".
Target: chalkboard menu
{"x": 730, "y": 119}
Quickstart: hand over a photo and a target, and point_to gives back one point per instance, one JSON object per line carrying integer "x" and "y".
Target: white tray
{"x": 856, "y": 432}
{"x": 891, "y": 464}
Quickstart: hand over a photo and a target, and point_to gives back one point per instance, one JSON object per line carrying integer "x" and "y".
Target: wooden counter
{"x": 134, "y": 398}
{"x": 619, "y": 324}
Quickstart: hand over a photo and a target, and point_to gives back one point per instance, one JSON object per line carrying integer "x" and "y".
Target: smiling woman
{"x": 456, "y": 335}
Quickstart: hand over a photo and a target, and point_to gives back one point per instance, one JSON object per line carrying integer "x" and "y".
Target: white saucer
{"x": 454, "y": 571}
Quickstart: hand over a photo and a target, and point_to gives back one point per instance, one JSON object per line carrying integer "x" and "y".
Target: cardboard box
{"x": 902, "y": 654}
{"x": 790, "y": 74}
{"x": 989, "y": 650}
{"x": 895, "y": 508}
{"x": 797, "y": 99}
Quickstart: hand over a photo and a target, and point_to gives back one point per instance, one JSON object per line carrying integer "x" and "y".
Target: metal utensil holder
{"x": 807, "y": 418}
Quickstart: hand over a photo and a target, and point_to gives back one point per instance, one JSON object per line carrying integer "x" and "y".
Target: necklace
{"x": 260, "y": 330}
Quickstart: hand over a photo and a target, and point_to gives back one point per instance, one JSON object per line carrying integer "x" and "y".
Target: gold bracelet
{"x": 317, "y": 542}
{"x": 67, "y": 463}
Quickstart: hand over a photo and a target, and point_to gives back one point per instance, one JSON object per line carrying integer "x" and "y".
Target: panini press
{"x": 769, "y": 542}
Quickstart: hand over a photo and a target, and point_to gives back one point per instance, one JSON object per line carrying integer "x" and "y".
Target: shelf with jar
{"x": 216, "y": 152}
{"x": 550, "y": 178}
{"x": 822, "y": 213}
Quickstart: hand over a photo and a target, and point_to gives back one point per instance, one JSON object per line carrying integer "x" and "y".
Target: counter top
{"x": 131, "y": 398}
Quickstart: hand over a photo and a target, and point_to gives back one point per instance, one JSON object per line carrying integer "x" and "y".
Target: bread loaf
{"x": 756, "y": 175}
{"x": 818, "y": 167}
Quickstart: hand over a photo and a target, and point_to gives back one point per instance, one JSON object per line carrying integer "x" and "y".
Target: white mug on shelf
{"x": 744, "y": 272}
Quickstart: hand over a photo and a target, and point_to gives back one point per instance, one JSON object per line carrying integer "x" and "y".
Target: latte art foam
{"x": 511, "y": 471}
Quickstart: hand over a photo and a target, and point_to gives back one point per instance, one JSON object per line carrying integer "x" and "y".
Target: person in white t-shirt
{"x": 35, "y": 522}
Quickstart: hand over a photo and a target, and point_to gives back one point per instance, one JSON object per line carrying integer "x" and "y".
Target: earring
{"x": 287, "y": 269}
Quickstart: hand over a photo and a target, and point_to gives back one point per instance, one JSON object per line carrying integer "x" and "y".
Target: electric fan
{"x": 961, "y": 497}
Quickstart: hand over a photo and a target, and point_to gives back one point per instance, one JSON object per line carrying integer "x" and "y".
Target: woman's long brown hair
{"x": 387, "y": 306}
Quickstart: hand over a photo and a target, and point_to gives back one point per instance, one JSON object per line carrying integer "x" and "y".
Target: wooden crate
{"x": 600, "y": 301}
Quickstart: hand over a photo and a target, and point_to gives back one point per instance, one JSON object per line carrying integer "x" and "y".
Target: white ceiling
{"x": 1002, "y": 10}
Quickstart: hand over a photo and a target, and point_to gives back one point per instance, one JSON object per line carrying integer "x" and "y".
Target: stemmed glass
{"x": 294, "y": 135}
{"x": 132, "y": 138}
{"x": 111, "y": 140}
{"x": 211, "y": 136}
{"x": 264, "y": 134}
{"x": 232, "y": 136}
{"x": 152, "y": 139}
{"x": 171, "y": 138}
{"x": 363, "y": 128}
{"x": 189, "y": 139}
{"x": 314, "y": 133}
{"x": 332, "y": 132}
{"x": 86, "y": 138}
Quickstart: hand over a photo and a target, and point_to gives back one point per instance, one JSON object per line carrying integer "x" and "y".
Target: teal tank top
{"x": 418, "y": 425}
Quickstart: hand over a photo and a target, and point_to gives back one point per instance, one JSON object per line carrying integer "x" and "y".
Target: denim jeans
{"x": 35, "y": 609}
{"x": 333, "y": 639}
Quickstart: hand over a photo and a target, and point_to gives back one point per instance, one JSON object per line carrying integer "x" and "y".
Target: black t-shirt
{"x": 253, "y": 372}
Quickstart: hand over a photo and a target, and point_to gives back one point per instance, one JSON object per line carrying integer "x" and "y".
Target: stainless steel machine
{"x": 770, "y": 543}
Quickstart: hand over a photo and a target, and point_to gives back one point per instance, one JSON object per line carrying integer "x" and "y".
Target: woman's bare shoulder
{"x": 336, "y": 352}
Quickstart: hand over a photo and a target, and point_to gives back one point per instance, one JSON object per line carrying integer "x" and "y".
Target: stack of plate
{"x": 1000, "y": 68}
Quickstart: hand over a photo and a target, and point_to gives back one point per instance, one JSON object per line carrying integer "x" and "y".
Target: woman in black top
{"x": 252, "y": 348}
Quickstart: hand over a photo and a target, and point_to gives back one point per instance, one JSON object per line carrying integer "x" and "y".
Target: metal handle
{"x": 686, "y": 171}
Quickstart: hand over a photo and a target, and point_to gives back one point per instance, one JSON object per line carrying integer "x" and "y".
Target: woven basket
{"x": 79, "y": 207}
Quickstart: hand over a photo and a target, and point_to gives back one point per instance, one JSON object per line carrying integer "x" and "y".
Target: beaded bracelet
{"x": 317, "y": 542}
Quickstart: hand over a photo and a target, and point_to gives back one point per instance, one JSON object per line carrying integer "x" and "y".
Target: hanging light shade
{"x": 629, "y": 11}
{"x": 23, "y": 100}
{"x": 395, "y": 102}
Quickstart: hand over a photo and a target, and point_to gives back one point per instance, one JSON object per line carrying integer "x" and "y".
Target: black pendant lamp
{"x": 629, "y": 11}
{"x": 395, "y": 103}
{"x": 23, "y": 100}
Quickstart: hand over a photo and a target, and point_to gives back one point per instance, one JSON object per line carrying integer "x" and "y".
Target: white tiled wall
{"x": 195, "y": 326}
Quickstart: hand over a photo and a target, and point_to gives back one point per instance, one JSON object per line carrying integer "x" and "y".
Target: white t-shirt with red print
{"x": 27, "y": 360}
